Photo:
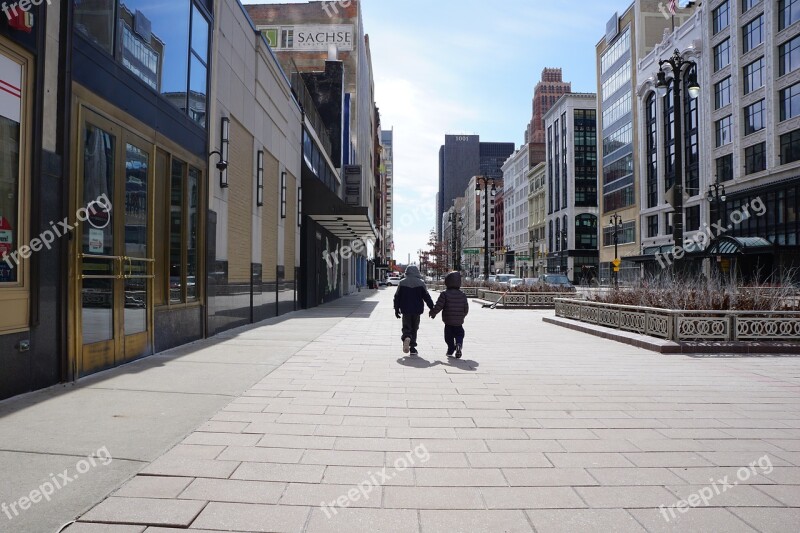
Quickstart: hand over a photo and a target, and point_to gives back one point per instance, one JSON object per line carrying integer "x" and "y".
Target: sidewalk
{"x": 537, "y": 427}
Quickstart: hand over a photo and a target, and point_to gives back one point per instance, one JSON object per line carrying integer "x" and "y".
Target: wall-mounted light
{"x": 283, "y": 194}
{"x": 260, "y": 179}
{"x": 299, "y": 207}
{"x": 222, "y": 164}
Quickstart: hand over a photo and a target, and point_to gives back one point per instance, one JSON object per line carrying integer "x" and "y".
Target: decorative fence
{"x": 678, "y": 325}
{"x": 521, "y": 299}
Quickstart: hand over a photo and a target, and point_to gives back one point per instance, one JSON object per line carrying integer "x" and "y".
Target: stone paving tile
{"x": 353, "y": 475}
{"x": 299, "y": 442}
{"x": 574, "y": 520}
{"x": 261, "y": 455}
{"x": 548, "y": 477}
{"x": 233, "y": 491}
{"x": 154, "y": 487}
{"x": 252, "y": 518}
{"x": 430, "y": 460}
{"x": 634, "y": 476}
{"x": 178, "y": 513}
{"x": 605, "y": 497}
{"x": 343, "y": 458}
{"x": 103, "y": 528}
{"x": 588, "y": 460}
{"x": 773, "y": 520}
{"x": 453, "y": 498}
{"x": 734, "y": 496}
{"x": 697, "y": 519}
{"x": 187, "y": 467}
{"x": 508, "y": 460}
{"x": 315, "y": 495}
{"x": 366, "y": 444}
{"x": 279, "y": 472}
{"x": 788, "y": 495}
{"x": 372, "y": 520}
{"x": 667, "y": 459}
{"x": 460, "y": 477}
{"x": 532, "y": 498}
{"x": 473, "y": 521}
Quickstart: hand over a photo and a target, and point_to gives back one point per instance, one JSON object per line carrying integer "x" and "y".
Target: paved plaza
{"x": 537, "y": 428}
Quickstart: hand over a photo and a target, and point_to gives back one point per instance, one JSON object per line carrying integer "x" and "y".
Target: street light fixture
{"x": 677, "y": 63}
{"x": 616, "y": 222}
{"x": 482, "y": 184}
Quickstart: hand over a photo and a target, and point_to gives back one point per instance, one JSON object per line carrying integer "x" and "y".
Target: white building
{"x": 571, "y": 159}
{"x": 474, "y": 229}
{"x": 515, "y": 203}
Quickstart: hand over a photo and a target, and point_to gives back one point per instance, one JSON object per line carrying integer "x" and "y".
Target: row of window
{"x": 788, "y": 14}
{"x": 626, "y": 234}
{"x": 617, "y": 110}
{"x": 620, "y": 78}
{"x": 755, "y": 156}
{"x": 620, "y": 47}
{"x": 585, "y": 233}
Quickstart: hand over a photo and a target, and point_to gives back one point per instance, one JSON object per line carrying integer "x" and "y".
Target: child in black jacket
{"x": 409, "y": 301}
{"x": 454, "y": 306}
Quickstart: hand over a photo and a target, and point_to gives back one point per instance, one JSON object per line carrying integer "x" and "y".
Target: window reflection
{"x": 10, "y": 118}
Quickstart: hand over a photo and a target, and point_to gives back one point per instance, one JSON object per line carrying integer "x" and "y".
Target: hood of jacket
{"x": 453, "y": 280}
{"x": 413, "y": 278}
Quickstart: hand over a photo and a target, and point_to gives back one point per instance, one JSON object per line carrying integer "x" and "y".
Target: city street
{"x": 536, "y": 429}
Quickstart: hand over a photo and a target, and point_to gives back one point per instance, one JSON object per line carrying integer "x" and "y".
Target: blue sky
{"x": 468, "y": 66}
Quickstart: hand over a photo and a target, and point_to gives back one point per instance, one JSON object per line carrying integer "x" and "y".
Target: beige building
{"x": 537, "y": 220}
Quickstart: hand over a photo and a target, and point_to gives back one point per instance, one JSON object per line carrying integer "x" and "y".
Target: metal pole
{"x": 677, "y": 218}
{"x": 486, "y": 229}
{"x": 616, "y": 252}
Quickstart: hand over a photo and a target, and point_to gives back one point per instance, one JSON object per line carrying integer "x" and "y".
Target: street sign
{"x": 616, "y": 263}
{"x": 471, "y": 251}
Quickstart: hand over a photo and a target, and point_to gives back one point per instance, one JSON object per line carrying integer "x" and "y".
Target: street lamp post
{"x": 482, "y": 183}
{"x": 716, "y": 197}
{"x": 616, "y": 222}
{"x": 677, "y": 63}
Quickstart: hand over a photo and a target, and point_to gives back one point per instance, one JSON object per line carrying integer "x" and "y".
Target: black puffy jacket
{"x": 412, "y": 294}
{"x": 452, "y": 303}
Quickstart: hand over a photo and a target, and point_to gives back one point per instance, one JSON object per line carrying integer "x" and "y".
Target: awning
{"x": 322, "y": 206}
{"x": 740, "y": 246}
{"x": 649, "y": 253}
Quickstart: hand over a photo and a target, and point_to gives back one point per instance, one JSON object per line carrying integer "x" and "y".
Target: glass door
{"x": 113, "y": 251}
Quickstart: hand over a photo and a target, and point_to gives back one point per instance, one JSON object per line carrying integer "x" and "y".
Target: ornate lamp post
{"x": 677, "y": 63}
{"x": 616, "y": 222}
{"x": 482, "y": 183}
{"x": 716, "y": 196}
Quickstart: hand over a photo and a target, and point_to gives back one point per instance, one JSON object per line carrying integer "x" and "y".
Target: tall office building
{"x": 460, "y": 159}
{"x": 387, "y": 167}
{"x": 628, "y": 38}
{"x": 549, "y": 89}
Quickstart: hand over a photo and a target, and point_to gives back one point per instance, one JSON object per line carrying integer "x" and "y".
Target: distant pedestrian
{"x": 409, "y": 301}
{"x": 454, "y": 306}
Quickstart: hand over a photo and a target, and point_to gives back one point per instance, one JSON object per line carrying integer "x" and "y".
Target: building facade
{"x": 629, "y": 37}
{"x": 387, "y": 191}
{"x": 475, "y": 228}
{"x": 537, "y": 219}
{"x": 547, "y": 91}
{"x": 571, "y": 186}
{"x": 515, "y": 200}
{"x": 337, "y": 63}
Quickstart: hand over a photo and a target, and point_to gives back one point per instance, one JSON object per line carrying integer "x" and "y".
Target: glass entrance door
{"x": 113, "y": 249}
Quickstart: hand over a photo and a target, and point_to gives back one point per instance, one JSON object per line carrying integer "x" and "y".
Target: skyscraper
{"x": 547, "y": 92}
{"x": 461, "y": 158}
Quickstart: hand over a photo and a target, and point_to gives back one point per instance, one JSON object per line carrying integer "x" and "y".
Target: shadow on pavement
{"x": 420, "y": 363}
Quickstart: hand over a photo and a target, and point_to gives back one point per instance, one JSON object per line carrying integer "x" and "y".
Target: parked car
{"x": 395, "y": 281}
{"x": 515, "y": 282}
{"x": 558, "y": 280}
{"x": 491, "y": 279}
{"x": 503, "y": 279}
{"x": 531, "y": 281}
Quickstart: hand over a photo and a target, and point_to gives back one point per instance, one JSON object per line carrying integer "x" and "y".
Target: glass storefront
{"x": 10, "y": 127}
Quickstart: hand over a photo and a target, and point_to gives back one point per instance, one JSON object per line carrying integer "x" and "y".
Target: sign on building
{"x": 310, "y": 38}
{"x": 352, "y": 185}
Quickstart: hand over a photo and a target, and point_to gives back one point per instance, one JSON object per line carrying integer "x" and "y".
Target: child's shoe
{"x": 458, "y": 351}
{"x": 406, "y": 344}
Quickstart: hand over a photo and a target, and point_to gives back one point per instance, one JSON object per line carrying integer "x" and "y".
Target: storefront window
{"x": 10, "y": 117}
{"x": 184, "y": 224}
{"x": 164, "y": 44}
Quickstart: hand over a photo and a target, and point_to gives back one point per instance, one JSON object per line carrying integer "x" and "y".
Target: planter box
{"x": 521, "y": 299}
{"x": 679, "y": 326}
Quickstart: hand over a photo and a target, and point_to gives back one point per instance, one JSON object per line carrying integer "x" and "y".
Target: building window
{"x": 789, "y": 56}
{"x": 748, "y": 4}
{"x": 788, "y": 13}
{"x": 626, "y": 234}
{"x": 619, "y": 199}
{"x": 693, "y": 218}
{"x": 163, "y": 44}
{"x": 754, "y": 76}
{"x": 790, "y": 147}
{"x": 753, "y": 34}
{"x": 721, "y": 17}
{"x": 790, "y": 102}
{"x": 652, "y": 225}
{"x": 724, "y": 129}
{"x": 652, "y": 151}
{"x": 754, "y": 117}
{"x": 11, "y": 151}
{"x": 669, "y": 138}
{"x": 586, "y": 232}
{"x": 722, "y": 93}
{"x": 183, "y": 232}
{"x": 722, "y": 55}
{"x": 724, "y": 167}
{"x": 755, "y": 158}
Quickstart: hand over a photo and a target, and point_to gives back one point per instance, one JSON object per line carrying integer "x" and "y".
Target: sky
{"x": 467, "y": 67}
